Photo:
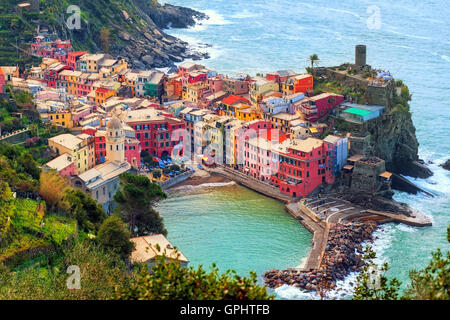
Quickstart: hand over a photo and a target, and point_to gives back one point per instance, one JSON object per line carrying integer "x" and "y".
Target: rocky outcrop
{"x": 343, "y": 255}
{"x": 393, "y": 138}
{"x": 169, "y": 15}
{"x": 374, "y": 202}
{"x": 130, "y": 29}
{"x": 446, "y": 165}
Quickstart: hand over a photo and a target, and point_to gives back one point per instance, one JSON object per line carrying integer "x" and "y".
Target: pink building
{"x": 304, "y": 167}
{"x": 258, "y": 151}
{"x": 133, "y": 152}
{"x": 215, "y": 84}
{"x": 64, "y": 165}
{"x": 316, "y": 107}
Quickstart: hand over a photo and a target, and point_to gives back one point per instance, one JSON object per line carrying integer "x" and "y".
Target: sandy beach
{"x": 202, "y": 177}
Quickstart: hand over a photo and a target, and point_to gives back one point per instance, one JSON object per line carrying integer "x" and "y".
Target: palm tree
{"x": 313, "y": 59}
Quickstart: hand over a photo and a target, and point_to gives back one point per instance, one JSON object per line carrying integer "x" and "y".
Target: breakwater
{"x": 342, "y": 255}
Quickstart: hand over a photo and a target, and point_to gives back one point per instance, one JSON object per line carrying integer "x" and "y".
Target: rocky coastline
{"x": 446, "y": 165}
{"x": 134, "y": 31}
{"x": 343, "y": 255}
{"x": 154, "y": 48}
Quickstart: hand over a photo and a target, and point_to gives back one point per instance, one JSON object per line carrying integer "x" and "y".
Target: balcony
{"x": 307, "y": 109}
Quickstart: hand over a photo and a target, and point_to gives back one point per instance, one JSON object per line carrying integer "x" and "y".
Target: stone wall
{"x": 251, "y": 183}
{"x": 175, "y": 180}
{"x": 365, "y": 175}
{"x": 359, "y": 145}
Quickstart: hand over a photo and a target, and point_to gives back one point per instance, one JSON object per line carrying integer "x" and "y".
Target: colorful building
{"x": 103, "y": 94}
{"x": 235, "y": 86}
{"x": 2, "y": 82}
{"x": 73, "y": 57}
{"x": 64, "y": 165}
{"x": 158, "y": 132}
{"x": 259, "y": 86}
{"x": 316, "y": 107}
{"x": 300, "y": 83}
{"x": 303, "y": 166}
{"x": 74, "y": 146}
{"x": 61, "y": 118}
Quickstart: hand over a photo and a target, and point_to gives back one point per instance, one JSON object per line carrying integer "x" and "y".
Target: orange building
{"x": 174, "y": 86}
{"x": 103, "y": 94}
{"x": 299, "y": 83}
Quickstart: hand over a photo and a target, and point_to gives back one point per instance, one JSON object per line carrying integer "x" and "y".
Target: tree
{"x": 431, "y": 283}
{"x": 104, "y": 36}
{"x": 53, "y": 189}
{"x": 114, "y": 235}
{"x": 313, "y": 59}
{"x": 135, "y": 199}
{"x": 101, "y": 272}
{"x": 6, "y": 211}
{"x": 87, "y": 211}
{"x": 372, "y": 284}
{"x": 169, "y": 280}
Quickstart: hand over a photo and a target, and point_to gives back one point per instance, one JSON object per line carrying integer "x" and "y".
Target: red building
{"x": 196, "y": 76}
{"x": 158, "y": 132}
{"x": 280, "y": 76}
{"x": 100, "y": 146}
{"x": 315, "y": 108}
{"x": 303, "y": 166}
{"x": 2, "y": 81}
{"x": 73, "y": 57}
{"x": 51, "y": 75}
{"x": 57, "y": 49}
{"x": 133, "y": 152}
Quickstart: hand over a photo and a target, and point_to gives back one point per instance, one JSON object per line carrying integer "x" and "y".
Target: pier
{"x": 321, "y": 214}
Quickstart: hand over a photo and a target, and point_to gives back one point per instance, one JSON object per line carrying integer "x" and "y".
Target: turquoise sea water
{"x": 410, "y": 39}
{"x": 234, "y": 227}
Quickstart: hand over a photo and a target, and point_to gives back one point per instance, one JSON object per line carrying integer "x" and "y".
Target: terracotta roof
{"x": 233, "y": 98}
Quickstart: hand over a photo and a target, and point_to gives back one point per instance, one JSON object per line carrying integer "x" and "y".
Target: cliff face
{"x": 131, "y": 29}
{"x": 393, "y": 139}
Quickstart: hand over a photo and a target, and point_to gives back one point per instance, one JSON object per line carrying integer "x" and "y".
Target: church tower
{"x": 115, "y": 141}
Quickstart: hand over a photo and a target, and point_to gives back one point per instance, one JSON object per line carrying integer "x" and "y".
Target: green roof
{"x": 357, "y": 111}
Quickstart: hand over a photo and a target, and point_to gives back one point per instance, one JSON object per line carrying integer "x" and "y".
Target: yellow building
{"x": 259, "y": 87}
{"x": 72, "y": 80}
{"x": 92, "y": 61}
{"x": 103, "y": 94}
{"x": 62, "y": 118}
{"x": 193, "y": 92}
{"x": 76, "y": 147}
{"x": 232, "y": 132}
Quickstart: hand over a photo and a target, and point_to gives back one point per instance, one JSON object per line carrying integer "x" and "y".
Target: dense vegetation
{"x": 59, "y": 227}
{"x": 101, "y": 23}
{"x": 135, "y": 198}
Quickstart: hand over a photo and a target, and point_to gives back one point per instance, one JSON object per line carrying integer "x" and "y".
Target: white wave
{"x": 408, "y": 35}
{"x": 246, "y": 14}
{"x": 344, "y": 289}
{"x": 206, "y": 185}
{"x": 214, "y": 19}
{"x": 446, "y": 58}
{"x": 405, "y": 228}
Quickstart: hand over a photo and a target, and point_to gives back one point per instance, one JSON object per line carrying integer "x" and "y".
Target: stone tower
{"x": 115, "y": 141}
{"x": 360, "y": 55}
